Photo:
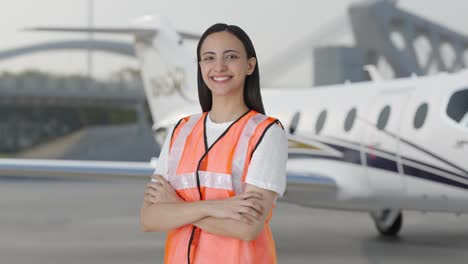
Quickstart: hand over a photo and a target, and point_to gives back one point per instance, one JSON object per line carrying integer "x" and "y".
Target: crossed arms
{"x": 242, "y": 216}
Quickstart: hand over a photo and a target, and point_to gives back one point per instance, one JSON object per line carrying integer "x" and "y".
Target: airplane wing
{"x": 304, "y": 184}
{"x": 303, "y": 187}
{"x": 74, "y": 169}
{"x": 298, "y": 176}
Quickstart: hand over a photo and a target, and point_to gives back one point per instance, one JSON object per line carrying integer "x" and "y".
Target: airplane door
{"x": 380, "y": 142}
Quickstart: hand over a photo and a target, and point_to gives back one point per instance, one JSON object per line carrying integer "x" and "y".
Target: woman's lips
{"x": 221, "y": 79}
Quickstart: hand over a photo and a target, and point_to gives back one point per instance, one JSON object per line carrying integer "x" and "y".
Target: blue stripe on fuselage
{"x": 375, "y": 160}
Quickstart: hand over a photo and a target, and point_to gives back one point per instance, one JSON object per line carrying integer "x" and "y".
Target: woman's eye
{"x": 231, "y": 57}
{"x": 207, "y": 58}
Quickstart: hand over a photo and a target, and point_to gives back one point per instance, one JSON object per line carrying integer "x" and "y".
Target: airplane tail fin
{"x": 167, "y": 68}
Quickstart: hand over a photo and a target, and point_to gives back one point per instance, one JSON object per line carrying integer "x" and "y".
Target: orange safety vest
{"x": 198, "y": 172}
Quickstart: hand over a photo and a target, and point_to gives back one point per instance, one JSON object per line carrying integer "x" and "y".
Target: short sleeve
{"x": 163, "y": 158}
{"x": 267, "y": 169}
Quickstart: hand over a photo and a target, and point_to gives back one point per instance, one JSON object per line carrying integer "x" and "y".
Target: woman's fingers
{"x": 250, "y": 195}
{"x": 151, "y": 191}
{"x": 162, "y": 190}
{"x": 244, "y": 218}
{"x": 254, "y": 204}
{"x": 250, "y": 212}
{"x": 247, "y": 204}
{"x": 248, "y": 219}
{"x": 154, "y": 185}
{"x": 150, "y": 199}
{"x": 160, "y": 179}
{"x": 159, "y": 190}
{"x": 160, "y": 183}
{"x": 253, "y": 208}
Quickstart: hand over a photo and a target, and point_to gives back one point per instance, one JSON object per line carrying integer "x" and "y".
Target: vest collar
{"x": 205, "y": 116}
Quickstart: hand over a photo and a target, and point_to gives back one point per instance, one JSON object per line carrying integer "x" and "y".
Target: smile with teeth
{"x": 221, "y": 78}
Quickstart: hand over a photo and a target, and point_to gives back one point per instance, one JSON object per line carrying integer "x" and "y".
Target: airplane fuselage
{"x": 397, "y": 145}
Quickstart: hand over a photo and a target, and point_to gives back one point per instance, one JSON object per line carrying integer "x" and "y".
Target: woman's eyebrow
{"x": 226, "y": 51}
{"x": 208, "y": 52}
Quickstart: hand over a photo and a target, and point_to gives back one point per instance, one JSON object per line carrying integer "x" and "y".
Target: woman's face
{"x": 224, "y": 64}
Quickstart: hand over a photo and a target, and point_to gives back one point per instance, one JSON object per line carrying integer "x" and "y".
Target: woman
{"x": 220, "y": 171}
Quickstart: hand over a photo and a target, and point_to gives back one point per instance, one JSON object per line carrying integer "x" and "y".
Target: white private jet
{"x": 379, "y": 147}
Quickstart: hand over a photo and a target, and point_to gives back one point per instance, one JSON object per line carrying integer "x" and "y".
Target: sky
{"x": 273, "y": 25}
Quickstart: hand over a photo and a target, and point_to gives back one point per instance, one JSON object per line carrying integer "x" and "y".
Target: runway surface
{"x": 50, "y": 221}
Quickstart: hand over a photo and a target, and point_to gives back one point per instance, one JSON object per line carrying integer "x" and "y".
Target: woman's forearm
{"x": 230, "y": 228}
{"x": 163, "y": 210}
{"x": 167, "y": 216}
{"x": 238, "y": 229}
{"x": 227, "y": 227}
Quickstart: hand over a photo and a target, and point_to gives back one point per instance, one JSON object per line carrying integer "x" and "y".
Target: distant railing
{"x": 70, "y": 90}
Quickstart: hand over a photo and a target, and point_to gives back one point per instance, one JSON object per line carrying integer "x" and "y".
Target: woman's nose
{"x": 220, "y": 65}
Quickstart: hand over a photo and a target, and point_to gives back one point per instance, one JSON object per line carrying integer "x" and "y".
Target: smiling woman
{"x": 224, "y": 71}
{"x": 229, "y": 55}
{"x": 220, "y": 171}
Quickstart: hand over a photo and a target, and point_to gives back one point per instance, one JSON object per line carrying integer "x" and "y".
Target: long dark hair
{"x": 252, "y": 96}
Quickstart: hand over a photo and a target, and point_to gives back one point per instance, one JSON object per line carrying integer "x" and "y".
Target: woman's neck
{"x": 226, "y": 108}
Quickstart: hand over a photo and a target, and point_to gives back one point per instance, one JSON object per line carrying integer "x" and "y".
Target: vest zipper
{"x": 207, "y": 149}
{"x": 198, "y": 186}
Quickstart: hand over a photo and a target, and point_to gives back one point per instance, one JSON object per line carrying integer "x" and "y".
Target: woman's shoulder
{"x": 186, "y": 118}
{"x": 276, "y": 124}
{"x": 276, "y": 132}
{"x": 273, "y": 133}
{"x": 268, "y": 118}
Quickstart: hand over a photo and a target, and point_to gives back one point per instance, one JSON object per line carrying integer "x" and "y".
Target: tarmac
{"x": 70, "y": 221}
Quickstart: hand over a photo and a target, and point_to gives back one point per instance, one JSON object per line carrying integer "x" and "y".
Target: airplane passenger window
{"x": 420, "y": 116}
{"x": 349, "y": 121}
{"x": 294, "y": 122}
{"x": 457, "y": 108}
{"x": 320, "y": 121}
{"x": 383, "y": 117}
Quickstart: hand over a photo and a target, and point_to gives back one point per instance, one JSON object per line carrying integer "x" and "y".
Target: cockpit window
{"x": 457, "y": 108}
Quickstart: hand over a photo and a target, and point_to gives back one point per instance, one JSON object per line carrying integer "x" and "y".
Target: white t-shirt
{"x": 267, "y": 169}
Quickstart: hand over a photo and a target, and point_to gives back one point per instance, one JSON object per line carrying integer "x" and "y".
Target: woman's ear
{"x": 252, "y": 62}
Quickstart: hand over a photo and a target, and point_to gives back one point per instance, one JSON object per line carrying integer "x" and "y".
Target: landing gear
{"x": 388, "y": 221}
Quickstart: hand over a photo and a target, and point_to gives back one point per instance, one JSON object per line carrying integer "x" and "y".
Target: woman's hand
{"x": 160, "y": 191}
{"x": 245, "y": 207}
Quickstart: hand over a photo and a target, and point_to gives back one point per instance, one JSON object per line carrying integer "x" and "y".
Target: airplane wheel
{"x": 386, "y": 226}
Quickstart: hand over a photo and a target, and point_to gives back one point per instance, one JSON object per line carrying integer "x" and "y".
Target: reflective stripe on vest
{"x": 220, "y": 171}
{"x": 240, "y": 154}
{"x": 207, "y": 179}
{"x": 178, "y": 147}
